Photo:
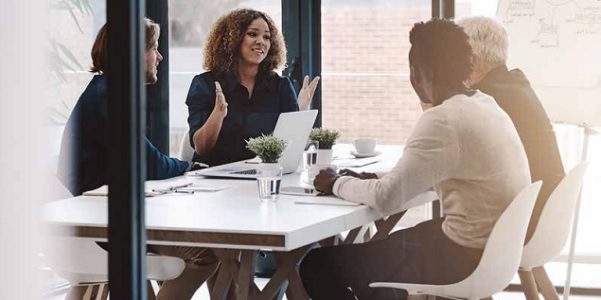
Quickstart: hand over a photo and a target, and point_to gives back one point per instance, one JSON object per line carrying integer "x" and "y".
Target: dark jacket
{"x": 513, "y": 93}
{"x": 246, "y": 118}
{"x": 83, "y": 164}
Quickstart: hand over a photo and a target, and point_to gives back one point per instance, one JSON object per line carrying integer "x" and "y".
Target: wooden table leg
{"x": 288, "y": 261}
{"x": 246, "y": 274}
{"x": 228, "y": 269}
{"x": 331, "y": 241}
{"x": 76, "y": 292}
{"x": 385, "y": 226}
{"x": 105, "y": 292}
{"x": 276, "y": 281}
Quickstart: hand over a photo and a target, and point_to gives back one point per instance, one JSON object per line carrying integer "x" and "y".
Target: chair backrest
{"x": 554, "y": 225}
{"x": 185, "y": 151}
{"x": 57, "y": 190}
{"x": 503, "y": 251}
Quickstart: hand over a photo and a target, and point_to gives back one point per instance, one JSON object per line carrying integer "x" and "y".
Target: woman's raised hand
{"x": 220, "y": 108}
{"x": 305, "y": 96}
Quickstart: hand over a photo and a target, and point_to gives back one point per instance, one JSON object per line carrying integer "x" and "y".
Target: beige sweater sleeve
{"x": 432, "y": 154}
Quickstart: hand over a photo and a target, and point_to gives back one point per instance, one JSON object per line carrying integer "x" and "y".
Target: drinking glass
{"x": 269, "y": 180}
{"x": 310, "y": 154}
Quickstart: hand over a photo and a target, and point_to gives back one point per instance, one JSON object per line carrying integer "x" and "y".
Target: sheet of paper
{"x": 161, "y": 187}
{"x": 355, "y": 162}
{"x": 325, "y": 201}
{"x": 198, "y": 188}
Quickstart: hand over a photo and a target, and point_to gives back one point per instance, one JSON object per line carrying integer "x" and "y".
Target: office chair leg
{"x": 528, "y": 284}
{"x": 547, "y": 288}
{"x": 76, "y": 292}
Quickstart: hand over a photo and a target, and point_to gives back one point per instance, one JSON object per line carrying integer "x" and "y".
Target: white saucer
{"x": 363, "y": 155}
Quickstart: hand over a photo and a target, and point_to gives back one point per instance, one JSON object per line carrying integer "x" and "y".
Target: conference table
{"x": 236, "y": 224}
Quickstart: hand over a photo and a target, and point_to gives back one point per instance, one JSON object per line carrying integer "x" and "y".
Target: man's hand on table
{"x": 362, "y": 175}
{"x": 324, "y": 181}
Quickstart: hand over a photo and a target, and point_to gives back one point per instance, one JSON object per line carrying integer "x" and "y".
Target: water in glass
{"x": 310, "y": 154}
{"x": 269, "y": 188}
{"x": 268, "y": 181}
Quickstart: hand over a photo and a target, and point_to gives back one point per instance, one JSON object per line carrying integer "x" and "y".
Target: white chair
{"x": 500, "y": 259}
{"x": 185, "y": 151}
{"x": 85, "y": 265}
{"x": 550, "y": 235}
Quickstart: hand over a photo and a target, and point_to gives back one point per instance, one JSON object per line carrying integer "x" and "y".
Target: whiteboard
{"x": 557, "y": 43}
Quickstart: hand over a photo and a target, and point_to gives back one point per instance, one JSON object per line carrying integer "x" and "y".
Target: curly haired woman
{"x": 241, "y": 95}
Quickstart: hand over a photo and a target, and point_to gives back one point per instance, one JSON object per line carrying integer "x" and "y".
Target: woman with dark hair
{"x": 241, "y": 95}
{"x": 464, "y": 146}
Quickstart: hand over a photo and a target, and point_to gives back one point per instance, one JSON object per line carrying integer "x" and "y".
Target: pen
{"x": 171, "y": 188}
{"x": 184, "y": 191}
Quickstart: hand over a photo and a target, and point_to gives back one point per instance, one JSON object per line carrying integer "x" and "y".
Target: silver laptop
{"x": 293, "y": 127}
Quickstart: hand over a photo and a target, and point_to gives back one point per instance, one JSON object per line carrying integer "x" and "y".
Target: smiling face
{"x": 256, "y": 43}
{"x": 153, "y": 57}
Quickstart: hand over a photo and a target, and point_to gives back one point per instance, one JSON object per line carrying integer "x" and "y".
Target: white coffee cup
{"x": 365, "y": 145}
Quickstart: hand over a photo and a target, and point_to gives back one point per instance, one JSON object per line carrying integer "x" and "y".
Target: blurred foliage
{"x": 60, "y": 58}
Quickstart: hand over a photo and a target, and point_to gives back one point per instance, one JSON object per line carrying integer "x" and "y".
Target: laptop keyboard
{"x": 246, "y": 172}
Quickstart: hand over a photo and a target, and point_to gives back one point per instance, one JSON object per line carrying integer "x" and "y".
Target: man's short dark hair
{"x": 441, "y": 49}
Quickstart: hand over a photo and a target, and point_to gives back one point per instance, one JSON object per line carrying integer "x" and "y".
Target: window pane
{"x": 191, "y": 22}
{"x": 466, "y": 8}
{"x": 72, "y": 34}
{"x": 365, "y": 71}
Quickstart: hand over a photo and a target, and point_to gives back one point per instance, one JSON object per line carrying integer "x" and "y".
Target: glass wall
{"x": 74, "y": 27}
{"x": 191, "y": 22}
{"x": 366, "y": 90}
{"x": 569, "y": 136}
{"x": 365, "y": 70}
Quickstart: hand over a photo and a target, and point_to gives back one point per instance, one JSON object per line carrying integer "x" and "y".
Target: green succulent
{"x": 326, "y": 137}
{"x": 268, "y": 147}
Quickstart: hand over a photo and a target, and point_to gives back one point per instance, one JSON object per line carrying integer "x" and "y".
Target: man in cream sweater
{"x": 465, "y": 147}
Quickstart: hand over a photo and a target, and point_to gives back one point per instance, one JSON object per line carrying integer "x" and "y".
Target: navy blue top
{"x": 83, "y": 156}
{"x": 246, "y": 118}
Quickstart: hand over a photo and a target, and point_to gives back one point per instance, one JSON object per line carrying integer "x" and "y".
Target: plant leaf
{"x": 69, "y": 55}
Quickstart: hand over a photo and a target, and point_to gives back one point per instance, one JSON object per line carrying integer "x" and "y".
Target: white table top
{"x": 231, "y": 218}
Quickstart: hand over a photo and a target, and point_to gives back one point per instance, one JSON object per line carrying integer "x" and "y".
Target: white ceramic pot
{"x": 324, "y": 157}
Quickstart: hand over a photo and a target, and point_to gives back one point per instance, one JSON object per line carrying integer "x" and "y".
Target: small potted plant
{"x": 326, "y": 138}
{"x": 269, "y": 148}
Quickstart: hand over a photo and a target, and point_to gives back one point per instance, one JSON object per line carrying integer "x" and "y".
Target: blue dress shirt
{"x": 83, "y": 160}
